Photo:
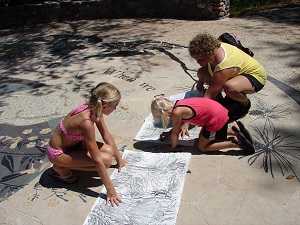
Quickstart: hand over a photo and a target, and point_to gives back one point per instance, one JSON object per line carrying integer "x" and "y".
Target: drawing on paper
{"x": 150, "y": 131}
{"x": 150, "y": 186}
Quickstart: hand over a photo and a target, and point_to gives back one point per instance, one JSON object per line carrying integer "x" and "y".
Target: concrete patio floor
{"x": 47, "y": 70}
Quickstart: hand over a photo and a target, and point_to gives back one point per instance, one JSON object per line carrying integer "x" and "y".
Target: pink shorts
{"x": 52, "y": 153}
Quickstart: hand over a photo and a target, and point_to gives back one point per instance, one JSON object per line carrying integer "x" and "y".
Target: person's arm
{"x": 184, "y": 130}
{"x": 199, "y": 86}
{"x": 177, "y": 123}
{"x": 218, "y": 82}
{"x": 91, "y": 144}
{"x": 108, "y": 139}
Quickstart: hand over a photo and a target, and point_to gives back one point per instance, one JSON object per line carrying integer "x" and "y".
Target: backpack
{"x": 231, "y": 39}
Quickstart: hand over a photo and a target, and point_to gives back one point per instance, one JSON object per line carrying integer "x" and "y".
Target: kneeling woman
{"x": 73, "y": 145}
{"x": 207, "y": 113}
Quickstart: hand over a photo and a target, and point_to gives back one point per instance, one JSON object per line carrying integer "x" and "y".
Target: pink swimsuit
{"x": 52, "y": 153}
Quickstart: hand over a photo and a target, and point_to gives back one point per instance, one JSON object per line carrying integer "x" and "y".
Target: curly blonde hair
{"x": 103, "y": 93}
{"x": 203, "y": 44}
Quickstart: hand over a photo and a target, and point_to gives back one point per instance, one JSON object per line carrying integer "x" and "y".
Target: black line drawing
{"x": 21, "y": 157}
{"x": 55, "y": 191}
{"x": 263, "y": 111}
{"x": 150, "y": 187}
{"x": 144, "y": 47}
{"x": 137, "y": 47}
{"x": 272, "y": 146}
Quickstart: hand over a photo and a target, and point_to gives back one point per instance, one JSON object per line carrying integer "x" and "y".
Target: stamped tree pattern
{"x": 21, "y": 156}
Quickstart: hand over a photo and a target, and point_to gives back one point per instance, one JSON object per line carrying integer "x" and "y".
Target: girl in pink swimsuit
{"x": 207, "y": 113}
{"x": 73, "y": 145}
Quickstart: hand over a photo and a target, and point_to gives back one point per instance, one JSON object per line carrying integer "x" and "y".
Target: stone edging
{"x": 57, "y": 11}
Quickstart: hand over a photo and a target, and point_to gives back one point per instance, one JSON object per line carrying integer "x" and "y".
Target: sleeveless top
{"x": 207, "y": 113}
{"x": 235, "y": 57}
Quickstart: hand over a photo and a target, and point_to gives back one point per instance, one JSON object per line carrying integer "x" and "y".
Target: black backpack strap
{"x": 231, "y": 39}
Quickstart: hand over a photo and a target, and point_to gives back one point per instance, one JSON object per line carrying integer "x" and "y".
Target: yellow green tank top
{"x": 235, "y": 57}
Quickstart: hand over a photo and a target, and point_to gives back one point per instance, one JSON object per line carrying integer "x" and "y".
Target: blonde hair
{"x": 158, "y": 107}
{"x": 204, "y": 45}
{"x": 103, "y": 93}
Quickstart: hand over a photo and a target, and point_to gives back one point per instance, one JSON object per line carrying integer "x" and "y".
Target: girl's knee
{"x": 109, "y": 149}
{"x": 109, "y": 152}
{"x": 107, "y": 160}
{"x": 202, "y": 148}
{"x": 106, "y": 148}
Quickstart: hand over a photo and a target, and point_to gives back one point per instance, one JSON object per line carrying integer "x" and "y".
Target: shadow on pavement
{"x": 86, "y": 181}
{"x": 288, "y": 14}
{"x": 156, "y": 148}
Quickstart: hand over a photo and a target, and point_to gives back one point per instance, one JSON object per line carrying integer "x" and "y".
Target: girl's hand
{"x": 122, "y": 163}
{"x": 184, "y": 130}
{"x": 113, "y": 198}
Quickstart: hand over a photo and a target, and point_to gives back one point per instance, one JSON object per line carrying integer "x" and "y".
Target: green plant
{"x": 239, "y": 7}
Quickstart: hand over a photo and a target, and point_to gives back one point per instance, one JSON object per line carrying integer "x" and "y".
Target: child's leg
{"x": 238, "y": 126}
{"x": 215, "y": 141}
{"x": 239, "y": 141}
{"x": 242, "y": 137}
{"x": 230, "y": 131}
{"x": 80, "y": 159}
{"x": 206, "y": 145}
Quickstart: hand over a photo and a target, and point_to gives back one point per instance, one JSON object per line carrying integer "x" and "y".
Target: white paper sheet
{"x": 150, "y": 186}
{"x": 151, "y": 131}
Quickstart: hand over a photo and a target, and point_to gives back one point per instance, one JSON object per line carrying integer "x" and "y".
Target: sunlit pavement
{"x": 48, "y": 70}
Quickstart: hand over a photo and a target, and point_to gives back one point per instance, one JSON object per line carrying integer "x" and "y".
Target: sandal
{"x": 244, "y": 144}
{"x": 66, "y": 179}
{"x": 244, "y": 131}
